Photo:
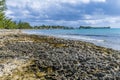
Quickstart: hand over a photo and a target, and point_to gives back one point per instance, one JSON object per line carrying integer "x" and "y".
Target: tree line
{"x": 51, "y": 27}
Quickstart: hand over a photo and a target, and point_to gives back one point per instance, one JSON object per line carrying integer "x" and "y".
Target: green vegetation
{"x": 51, "y": 27}
{"x": 24, "y": 25}
{"x": 7, "y": 23}
{"x": 89, "y": 27}
{"x": 2, "y": 5}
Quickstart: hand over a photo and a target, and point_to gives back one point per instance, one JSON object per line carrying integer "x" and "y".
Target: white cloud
{"x": 104, "y": 21}
{"x": 87, "y": 16}
{"x": 80, "y": 1}
{"x": 9, "y": 12}
{"x": 42, "y": 8}
{"x": 75, "y": 1}
{"x": 44, "y": 3}
{"x": 99, "y": 0}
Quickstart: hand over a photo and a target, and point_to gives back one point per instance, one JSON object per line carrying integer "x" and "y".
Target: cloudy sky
{"x": 66, "y": 12}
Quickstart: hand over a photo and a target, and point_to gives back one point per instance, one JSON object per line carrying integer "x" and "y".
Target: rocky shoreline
{"x": 33, "y": 57}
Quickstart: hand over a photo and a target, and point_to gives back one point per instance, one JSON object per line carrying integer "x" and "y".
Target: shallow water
{"x": 109, "y": 38}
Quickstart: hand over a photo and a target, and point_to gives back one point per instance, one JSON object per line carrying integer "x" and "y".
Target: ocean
{"x": 109, "y": 38}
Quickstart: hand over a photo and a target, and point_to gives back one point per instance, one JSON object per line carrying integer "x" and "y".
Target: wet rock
{"x": 59, "y": 59}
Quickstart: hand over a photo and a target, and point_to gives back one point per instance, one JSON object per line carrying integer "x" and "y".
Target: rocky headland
{"x": 33, "y": 57}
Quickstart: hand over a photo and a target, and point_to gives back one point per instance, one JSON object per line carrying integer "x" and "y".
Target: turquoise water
{"x": 103, "y": 37}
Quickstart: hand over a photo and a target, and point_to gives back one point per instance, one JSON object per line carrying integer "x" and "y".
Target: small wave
{"x": 98, "y": 35}
{"x": 90, "y": 35}
{"x": 79, "y": 38}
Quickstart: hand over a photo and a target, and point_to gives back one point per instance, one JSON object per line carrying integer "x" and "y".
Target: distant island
{"x": 89, "y": 27}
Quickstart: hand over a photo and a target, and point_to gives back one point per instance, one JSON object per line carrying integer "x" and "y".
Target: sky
{"x": 72, "y": 13}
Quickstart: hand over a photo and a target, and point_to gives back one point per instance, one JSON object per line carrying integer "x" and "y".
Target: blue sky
{"x": 66, "y": 12}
